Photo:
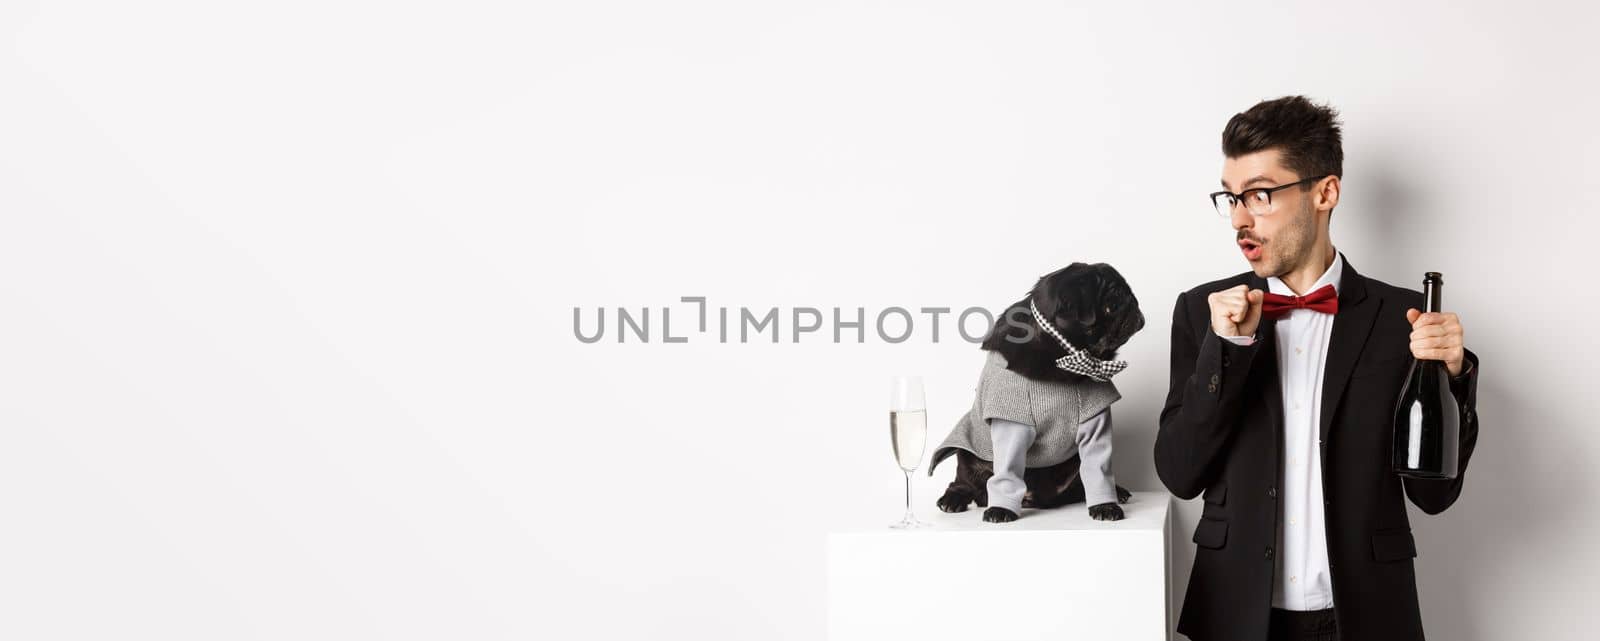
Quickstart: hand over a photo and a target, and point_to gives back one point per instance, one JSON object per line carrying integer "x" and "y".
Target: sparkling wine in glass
{"x": 908, "y": 430}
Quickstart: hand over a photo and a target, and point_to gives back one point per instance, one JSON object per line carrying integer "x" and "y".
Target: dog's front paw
{"x": 999, "y": 515}
{"x": 954, "y": 500}
{"x": 1106, "y": 512}
{"x": 1123, "y": 494}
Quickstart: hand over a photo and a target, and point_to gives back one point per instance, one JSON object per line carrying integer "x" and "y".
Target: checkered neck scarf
{"x": 1077, "y": 361}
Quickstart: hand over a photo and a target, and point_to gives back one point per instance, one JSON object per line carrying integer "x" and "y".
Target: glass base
{"x": 908, "y": 522}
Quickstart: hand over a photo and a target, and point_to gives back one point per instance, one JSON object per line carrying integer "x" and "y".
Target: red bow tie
{"x": 1324, "y": 300}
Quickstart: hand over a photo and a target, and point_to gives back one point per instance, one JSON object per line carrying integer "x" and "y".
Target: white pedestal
{"x": 1053, "y": 574}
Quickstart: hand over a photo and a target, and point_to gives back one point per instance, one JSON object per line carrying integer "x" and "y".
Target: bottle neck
{"x": 1430, "y": 296}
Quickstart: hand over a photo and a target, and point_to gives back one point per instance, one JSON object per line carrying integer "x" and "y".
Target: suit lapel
{"x": 1267, "y": 332}
{"x": 1351, "y": 326}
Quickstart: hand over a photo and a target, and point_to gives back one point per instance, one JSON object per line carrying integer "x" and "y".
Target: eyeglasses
{"x": 1257, "y": 201}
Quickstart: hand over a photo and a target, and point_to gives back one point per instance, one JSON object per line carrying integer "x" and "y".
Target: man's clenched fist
{"x": 1437, "y": 336}
{"x": 1235, "y": 311}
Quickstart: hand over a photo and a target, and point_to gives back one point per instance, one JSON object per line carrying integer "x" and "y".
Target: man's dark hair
{"x": 1305, "y": 133}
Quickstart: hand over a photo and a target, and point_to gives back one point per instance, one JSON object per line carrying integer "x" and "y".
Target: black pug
{"x": 1043, "y": 411}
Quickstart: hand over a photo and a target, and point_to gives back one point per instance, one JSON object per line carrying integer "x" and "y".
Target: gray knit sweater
{"x": 1054, "y": 408}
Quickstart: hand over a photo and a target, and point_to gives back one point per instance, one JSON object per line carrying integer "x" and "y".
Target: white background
{"x": 286, "y": 345}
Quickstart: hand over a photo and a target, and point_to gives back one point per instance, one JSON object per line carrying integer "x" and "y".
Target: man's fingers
{"x": 1416, "y": 317}
{"x": 1436, "y": 336}
{"x": 1427, "y": 331}
{"x": 1230, "y": 300}
{"x": 1427, "y": 354}
{"x": 1420, "y": 319}
{"x": 1236, "y": 304}
{"x": 1434, "y": 342}
{"x": 1433, "y": 354}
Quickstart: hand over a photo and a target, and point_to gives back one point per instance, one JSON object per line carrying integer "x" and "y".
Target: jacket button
{"x": 1224, "y": 360}
{"x": 1272, "y": 492}
{"x": 1214, "y": 379}
{"x": 1212, "y": 388}
{"x": 1269, "y": 553}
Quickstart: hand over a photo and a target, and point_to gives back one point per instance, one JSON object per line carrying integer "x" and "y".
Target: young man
{"x": 1282, "y": 394}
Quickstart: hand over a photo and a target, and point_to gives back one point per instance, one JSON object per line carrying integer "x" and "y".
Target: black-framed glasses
{"x": 1257, "y": 201}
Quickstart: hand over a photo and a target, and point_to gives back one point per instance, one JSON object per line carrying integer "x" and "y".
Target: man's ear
{"x": 1325, "y": 196}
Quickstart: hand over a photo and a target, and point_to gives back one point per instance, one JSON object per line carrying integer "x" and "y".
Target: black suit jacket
{"x": 1221, "y": 434}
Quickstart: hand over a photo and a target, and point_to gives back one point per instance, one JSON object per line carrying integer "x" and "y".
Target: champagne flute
{"x": 908, "y": 430}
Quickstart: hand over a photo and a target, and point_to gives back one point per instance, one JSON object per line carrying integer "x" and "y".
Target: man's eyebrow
{"x": 1248, "y": 183}
{"x": 1258, "y": 179}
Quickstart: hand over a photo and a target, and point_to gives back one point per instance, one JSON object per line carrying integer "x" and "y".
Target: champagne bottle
{"x": 1427, "y": 420}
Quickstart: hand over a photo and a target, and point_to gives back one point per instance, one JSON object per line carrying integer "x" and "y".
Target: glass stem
{"x": 908, "y": 495}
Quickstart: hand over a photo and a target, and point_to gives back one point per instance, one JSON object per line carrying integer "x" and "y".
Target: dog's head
{"x": 1091, "y": 306}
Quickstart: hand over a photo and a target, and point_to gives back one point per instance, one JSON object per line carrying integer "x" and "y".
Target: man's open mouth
{"x": 1251, "y": 249}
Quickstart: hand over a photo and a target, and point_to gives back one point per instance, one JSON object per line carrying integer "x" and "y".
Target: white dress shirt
{"x": 1300, "y": 576}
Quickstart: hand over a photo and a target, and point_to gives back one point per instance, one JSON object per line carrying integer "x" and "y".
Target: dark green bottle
{"x": 1427, "y": 420}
